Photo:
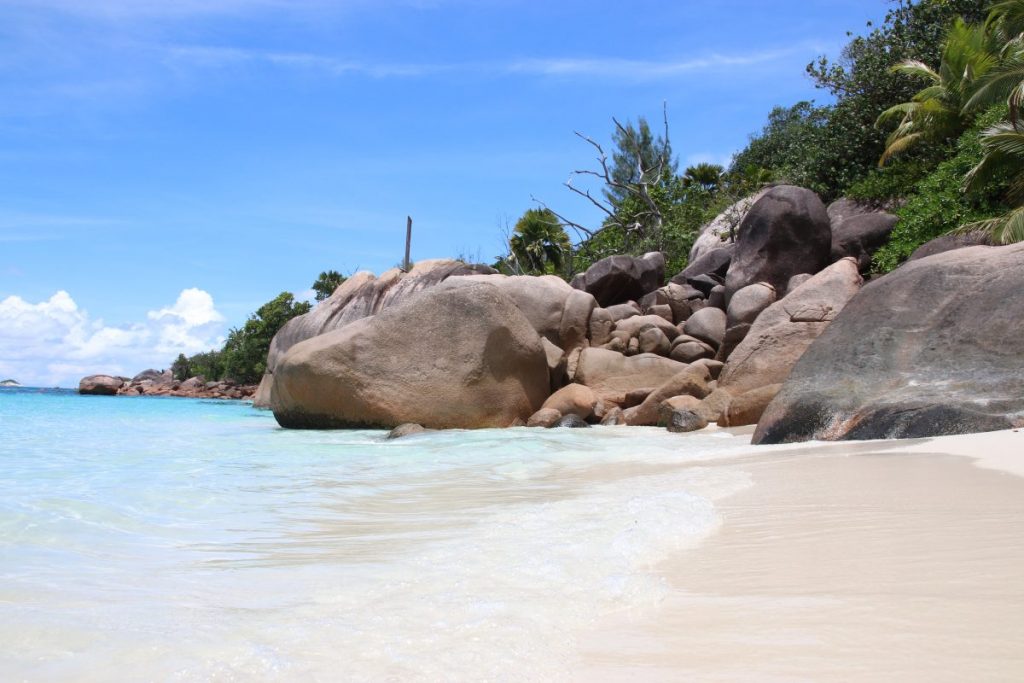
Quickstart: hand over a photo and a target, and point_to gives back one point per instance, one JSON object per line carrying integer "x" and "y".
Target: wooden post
{"x": 408, "y": 240}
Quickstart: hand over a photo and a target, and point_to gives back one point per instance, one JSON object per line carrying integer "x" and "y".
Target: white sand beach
{"x": 859, "y": 561}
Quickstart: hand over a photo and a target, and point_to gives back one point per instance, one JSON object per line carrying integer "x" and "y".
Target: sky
{"x": 167, "y": 166}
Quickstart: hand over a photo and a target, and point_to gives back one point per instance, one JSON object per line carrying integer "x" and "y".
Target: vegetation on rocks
{"x": 915, "y": 122}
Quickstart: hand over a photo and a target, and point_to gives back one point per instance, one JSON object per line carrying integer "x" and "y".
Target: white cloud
{"x": 205, "y": 56}
{"x": 54, "y": 342}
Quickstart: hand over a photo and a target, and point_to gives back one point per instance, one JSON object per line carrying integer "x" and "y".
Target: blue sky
{"x": 167, "y": 166}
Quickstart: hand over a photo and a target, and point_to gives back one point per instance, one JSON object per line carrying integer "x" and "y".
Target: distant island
{"x": 10, "y": 383}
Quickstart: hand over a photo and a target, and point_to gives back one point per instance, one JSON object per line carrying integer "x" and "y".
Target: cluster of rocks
{"x": 769, "y": 324}
{"x": 448, "y": 345}
{"x": 162, "y": 383}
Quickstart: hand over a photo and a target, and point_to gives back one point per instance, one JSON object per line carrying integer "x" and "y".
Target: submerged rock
{"x": 573, "y": 422}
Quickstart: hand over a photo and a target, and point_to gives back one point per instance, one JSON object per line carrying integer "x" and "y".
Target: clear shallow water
{"x": 175, "y": 539}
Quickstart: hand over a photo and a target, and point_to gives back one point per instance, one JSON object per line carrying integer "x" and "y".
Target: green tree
{"x": 181, "y": 368}
{"x": 1001, "y": 166}
{"x": 1005, "y": 79}
{"x": 936, "y": 113}
{"x": 326, "y": 283}
{"x": 840, "y": 142}
{"x": 938, "y": 205}
{"x": 245, "y": 351}
{"x": 704, "y": 175}
{"x": 539, "y": 243}
{"x": 639, "y": 158}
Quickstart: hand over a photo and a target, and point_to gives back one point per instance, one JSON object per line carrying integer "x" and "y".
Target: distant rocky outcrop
{"x": 932, "y": 348}
{"x": 10, "y": 383}
{"x": 454, "y": 356}
{"x": 162, "y": 383}
{"x": 100, "y": 385}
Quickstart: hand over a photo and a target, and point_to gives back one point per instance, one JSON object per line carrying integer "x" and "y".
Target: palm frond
{"x": 1005, "y": 229}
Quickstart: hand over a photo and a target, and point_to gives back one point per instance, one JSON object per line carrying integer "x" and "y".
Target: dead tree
{"x": 644, "y": 225}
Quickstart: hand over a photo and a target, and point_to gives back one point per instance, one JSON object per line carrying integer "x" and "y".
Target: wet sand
{"x": 877, "y": 561}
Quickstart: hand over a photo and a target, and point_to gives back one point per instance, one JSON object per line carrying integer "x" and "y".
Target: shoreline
{"x": 877, "y": 560}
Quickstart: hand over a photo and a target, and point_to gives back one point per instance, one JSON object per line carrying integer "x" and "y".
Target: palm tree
{"x": 704, "y": 175}
{"x": 1003, "y": 145}
{"x": 539, "y": 243}
{"x": 1006, "y": 78}
{"x": 936, "y": 113}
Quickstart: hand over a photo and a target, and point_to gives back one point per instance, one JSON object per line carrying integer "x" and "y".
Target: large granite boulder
{"x": 860, "y": 235}
{"x": 935, "y": 347}
{"x": 361, "y": 296}
{"x": 618, "y": 279}
{"x": 950, "y": 242}
{"x": 100, "y": 385}
{"x": 558, "y": 312}
{"x": 713, "y": 263}
{"x": 612, "y": 375}
{"x": 784, "y": 330}
{"x": 453, "y": 356}
{"x": 786, "y": 232}
{"x": 720, "y": 232}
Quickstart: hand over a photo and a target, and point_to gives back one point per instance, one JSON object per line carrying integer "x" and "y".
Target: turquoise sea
{"x": 176, "y": 539}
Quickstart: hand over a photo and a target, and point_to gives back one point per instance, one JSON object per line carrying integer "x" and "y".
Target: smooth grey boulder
{"x": 707, "y": 325}
{"x": 932, "y": 348}
{"x": 860, "y": 236}
{"x": 681, "y": 421}
{"x": 748, "y": 303}
{"x": 796, "y": 281}
{"x": 622, "y": 311}
{"x": 950, "y": 242}
{"x": 786, "y": 232}
{"x": 407, "y": 429}
{"x": 690, "y": 350}
{"x": 713, "y": 262}
{"x": 653, "y": 340}
{"x": 784, "y": 330}
{"x": 100, "y": 385}
{"x": 572, "y": 422}
{"x": 719, "y": 233}
{"x": 453, "y": 356}
{"x": 545, "y": 417}
{"x": 716, "y": 297}
{"x": 633, "y": 326}
{"x": 617, "y": 279}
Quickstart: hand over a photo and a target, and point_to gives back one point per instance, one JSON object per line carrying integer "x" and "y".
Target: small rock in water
{"x": 407, "y": 429}
{"x": 686, "y": 421}
{"x": 572, "y": 422}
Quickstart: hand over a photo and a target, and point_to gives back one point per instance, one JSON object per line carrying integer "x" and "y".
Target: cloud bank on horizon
{"x": 55, "y": 343}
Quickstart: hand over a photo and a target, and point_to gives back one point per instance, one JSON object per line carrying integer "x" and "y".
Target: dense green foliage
{"x": 244, "y": 356}
{"x": 539, "y": 245}
{"x": 938, "y": 204}
{"x": 833, "y": 148}
{"x": 326, "y": 283}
